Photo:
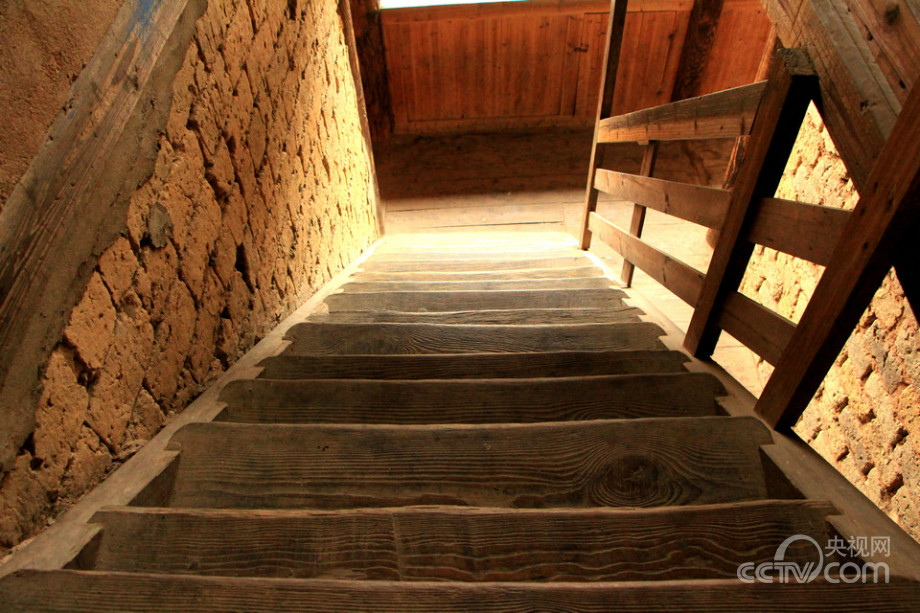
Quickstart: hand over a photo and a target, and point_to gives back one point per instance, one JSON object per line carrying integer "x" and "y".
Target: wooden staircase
{"x": 475, "y": 423}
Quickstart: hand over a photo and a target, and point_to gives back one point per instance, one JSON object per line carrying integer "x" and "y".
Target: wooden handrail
{"x": 725, "y": 114}
{"x": 706, "y": 206}
{"x": 680, "y": 278}
{"x": 806, "y": 231}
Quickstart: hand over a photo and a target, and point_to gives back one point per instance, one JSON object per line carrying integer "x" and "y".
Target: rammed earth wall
{"x": 865, "y": 418}
{"x": 261, "y": 193}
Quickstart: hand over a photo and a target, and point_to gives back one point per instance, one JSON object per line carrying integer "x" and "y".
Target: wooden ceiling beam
{"x": 694, "y": 58}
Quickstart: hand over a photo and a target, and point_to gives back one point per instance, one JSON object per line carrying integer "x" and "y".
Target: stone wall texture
{"x": 865, "y": 417}
{"x": 261, "y": 193}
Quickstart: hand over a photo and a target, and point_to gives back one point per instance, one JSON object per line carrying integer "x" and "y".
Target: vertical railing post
{"x": 638, "y": 213}
{"x": 615, "y": 26}
{"x": 792, "y": 86}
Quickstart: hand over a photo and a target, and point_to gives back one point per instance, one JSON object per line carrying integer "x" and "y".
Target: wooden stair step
{"x": 462, "y": 264}
{"x": 477, "y": 286}
{"x": 501, "y": 275}
{"x": 456, "y": 544}
{"x": 622, "y": 314}
{"x": 474, "y": 254}
{"x": 634, "y": 463}
{"x": 472, "y": 365}
{"x": 71, "y": 591}
{"x": 465, "y": 301}
{"x": 479, "y": 401}
{"x": 322, "y": 338}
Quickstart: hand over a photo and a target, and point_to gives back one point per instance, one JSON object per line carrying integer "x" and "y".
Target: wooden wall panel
{"x": 743, "y": 35}
{"x": 490, "y": 70}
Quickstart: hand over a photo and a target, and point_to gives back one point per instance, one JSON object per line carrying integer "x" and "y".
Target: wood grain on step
{"x": 507, "y": 275}
{"x": 462, "y": 301}
{"x": 622, "y": 314}
{"x": 106, "y": 592}
{"x": 477, "y": 286}
{"x": 460, "y": 264}
{"x": 642, "y": 462}
{"x": 479, "y": 401}
{"x": 319, "y": 338}
{"x": 472, "y": 365}
{"x": 457, "y": 544}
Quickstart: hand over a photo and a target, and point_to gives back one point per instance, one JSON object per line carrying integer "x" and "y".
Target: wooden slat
{"x": 615, "y": 27}
{"x": 637, "y": 221}
{"x": 472, "y": 365}
{"x": 878, "y": 231}
{"x": 726, "y": 114}
{"x": 760, "y": 329}
{"x": 427, "y": 338}
{"x": 806, "y": 231}
{"x": 791, "y": 87}
{"x": 531, "y": 7}
{"x": 633, "y": 462}
{"x": 458, "y": 544}
{"x": 706, "y": 206}
{"x": 482, "y": 401}
{"x": 462, "y": 301}
{"x": 678, "y": 277}
{"x": 527, "y": 317}
{"x": 107, "y": 592}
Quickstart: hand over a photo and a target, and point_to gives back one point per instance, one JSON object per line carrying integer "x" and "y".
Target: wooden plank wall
{"x": 524, "y": 65}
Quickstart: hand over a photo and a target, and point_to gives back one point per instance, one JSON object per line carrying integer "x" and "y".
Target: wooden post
{"x": 615, "y": 27}
{"x": 792, "y": 85}
{"x": 638, "y": 215}
{"x": 881, "y": 232}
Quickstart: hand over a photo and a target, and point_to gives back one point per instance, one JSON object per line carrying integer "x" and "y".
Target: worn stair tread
{"x": 478, "y": 286}
{"x": 460, "y": 264}
{"x": 473, "y": 254}
{"x": 641, "y": 462}
{"x": 456, "y": 544}
{"x": 471, "y": 365}
{"x": 468, "y": 300}
{"x": 501, "y": 275}
{"x": 328, "y": 338}
{"x": 622, "y": 314}
{"x": 73, "y": 591}
{"x": 479, "y": 401}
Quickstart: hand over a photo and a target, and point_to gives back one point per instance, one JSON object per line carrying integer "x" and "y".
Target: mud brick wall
{"x": 865, "y": 418}
{"x": 261, "y": 193}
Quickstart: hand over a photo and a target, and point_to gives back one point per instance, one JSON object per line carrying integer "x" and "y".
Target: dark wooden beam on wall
{"x": 372, "y": 58}
{"x": 701, "y": 31}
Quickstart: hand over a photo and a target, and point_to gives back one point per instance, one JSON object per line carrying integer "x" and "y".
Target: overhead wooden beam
{"x": 806, "y": 231}
{"x": 879, "y": 233}
{"x": 859, "y": 105}
{"x": 615, "y": 25}
{"x": 791, "y": 87}
{"x": 726, "y": 114}
{"x": 680, "y": 278}
{"x": 702, "y": 205}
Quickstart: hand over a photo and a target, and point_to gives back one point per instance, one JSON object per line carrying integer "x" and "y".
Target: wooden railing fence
{"x": 858, "y": 248}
